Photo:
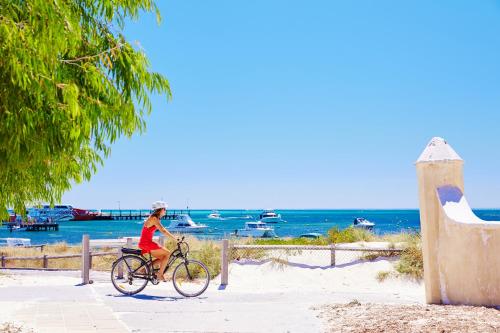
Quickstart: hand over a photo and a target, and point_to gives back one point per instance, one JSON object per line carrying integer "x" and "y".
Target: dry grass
{"x": 13, "y": 328}
{"x": 411, "y": 262}
{"x": 383, "y": 275}
{"x": 370, "y": 256}
{"x": 98, "y": 263}
{"x": 206, "y": 251}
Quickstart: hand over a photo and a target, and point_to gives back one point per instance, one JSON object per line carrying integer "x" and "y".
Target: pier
{"x": 34, "y": 226}
{"x": 43, "y": 227}
{"x": 134, "y": 215}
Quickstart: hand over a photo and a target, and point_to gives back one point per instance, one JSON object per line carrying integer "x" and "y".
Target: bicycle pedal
{"x": 155, "y": 281}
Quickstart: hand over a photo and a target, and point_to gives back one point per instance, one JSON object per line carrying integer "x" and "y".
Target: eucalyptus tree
{"x": 70, "y": 85}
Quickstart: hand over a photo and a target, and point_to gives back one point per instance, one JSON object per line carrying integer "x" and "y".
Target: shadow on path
{"x": 144, "y": 297}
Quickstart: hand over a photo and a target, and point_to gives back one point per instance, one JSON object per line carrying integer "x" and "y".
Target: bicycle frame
{"x": 176, "y": 254}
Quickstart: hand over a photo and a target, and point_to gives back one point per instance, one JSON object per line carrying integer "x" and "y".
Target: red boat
{"x": 87, "y": 215}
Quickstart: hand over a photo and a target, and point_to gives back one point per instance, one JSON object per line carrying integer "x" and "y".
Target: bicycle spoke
{"x": 125, "y": 278}
{"x": 191, "y": 278}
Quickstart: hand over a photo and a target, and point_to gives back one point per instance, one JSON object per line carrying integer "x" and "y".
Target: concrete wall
{"x": 461, "y": 252}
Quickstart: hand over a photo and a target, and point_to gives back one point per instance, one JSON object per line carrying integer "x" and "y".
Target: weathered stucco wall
{"x": 461, "y": 252}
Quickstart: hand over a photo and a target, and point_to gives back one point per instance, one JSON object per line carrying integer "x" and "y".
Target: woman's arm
{"x": 162, "y": 229}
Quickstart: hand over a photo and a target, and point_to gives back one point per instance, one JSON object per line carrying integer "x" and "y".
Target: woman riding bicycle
{"x": 146, "y": 243}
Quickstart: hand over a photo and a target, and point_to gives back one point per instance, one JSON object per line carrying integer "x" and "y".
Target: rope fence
{"x": 334, "y": 255}
{"x": 85, "y": 257}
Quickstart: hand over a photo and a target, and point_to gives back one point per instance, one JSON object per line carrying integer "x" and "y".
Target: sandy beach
{"x": 305, "y": 295}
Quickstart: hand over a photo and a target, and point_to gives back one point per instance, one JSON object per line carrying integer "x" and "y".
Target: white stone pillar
{"x": 438, "y": 165}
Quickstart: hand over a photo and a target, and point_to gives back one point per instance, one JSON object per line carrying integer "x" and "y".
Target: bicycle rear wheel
{"x": 130, "y": 274}
{"x": 191, "y": 278}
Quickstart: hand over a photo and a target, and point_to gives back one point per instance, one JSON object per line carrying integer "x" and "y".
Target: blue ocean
{"x": 297, "y": 222}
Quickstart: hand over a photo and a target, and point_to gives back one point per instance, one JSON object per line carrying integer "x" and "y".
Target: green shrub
{"x": 349, "y": 235}
{"x": 411, "y": 262}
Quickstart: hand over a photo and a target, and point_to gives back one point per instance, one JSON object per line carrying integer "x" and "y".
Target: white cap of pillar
{"x": 438, "y": 150}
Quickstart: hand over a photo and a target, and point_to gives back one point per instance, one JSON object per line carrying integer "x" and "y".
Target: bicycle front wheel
{"x": 130, "y": 274}
{"x": 191, "y": 278}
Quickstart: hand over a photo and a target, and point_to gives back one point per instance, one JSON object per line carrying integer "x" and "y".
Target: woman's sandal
{"x": 161, "y": 277}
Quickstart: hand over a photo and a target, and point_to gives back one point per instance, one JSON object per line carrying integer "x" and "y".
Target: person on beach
{"x": 146, "y": 244}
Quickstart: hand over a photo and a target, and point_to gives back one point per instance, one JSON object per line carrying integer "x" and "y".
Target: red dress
{"x": 146, "y": 243}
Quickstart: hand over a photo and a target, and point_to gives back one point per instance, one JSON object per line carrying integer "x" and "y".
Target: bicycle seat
{"x": 131, "y": 251}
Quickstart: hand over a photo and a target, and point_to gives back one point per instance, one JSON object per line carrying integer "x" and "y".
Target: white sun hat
{"x": 158, "y": 205}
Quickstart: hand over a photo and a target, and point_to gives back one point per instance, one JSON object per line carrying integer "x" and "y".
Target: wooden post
{"x": 3, "y": 261}
{"x": 224, "y": 274}
{"x": 119, "y": 255}
{"x": 332, "y": 255}
{"x": 120, "y": 266}
{"x": 45, "y": 261}
{"x": 85, "y": 259}
{"x": 90, "y": 260}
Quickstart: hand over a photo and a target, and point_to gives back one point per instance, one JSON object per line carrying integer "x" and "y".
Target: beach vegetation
{"x": 102, "y": 263}
{"x": 383, "y": 275}
{"x": 399, "y": 237}
{"x": 71, "y": 84}
{"x": 349, "y": 235}
{"x": 9, "y": 327}
{"x": 370, "y": 256}
{"x": 291, "y": 241}
{"x": 206, "y": 251}
{"x": 411, "y": 262}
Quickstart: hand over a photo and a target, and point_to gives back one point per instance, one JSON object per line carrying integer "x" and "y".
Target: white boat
{"x": 270, "y": 216}
{"x": 184, "y": 224}
{"x": 256, "y": 229}
{"x": 17, "y": 228}
{"x": 313, "y": 235}
{"x": 47, "y": 213}
{"x": 363, "y": 223}
{"x": 215, "y": 215}
{"x": 15, "y": 242}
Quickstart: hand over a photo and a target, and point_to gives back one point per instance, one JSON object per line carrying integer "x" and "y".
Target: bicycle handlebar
{"x": 181, "y": 241}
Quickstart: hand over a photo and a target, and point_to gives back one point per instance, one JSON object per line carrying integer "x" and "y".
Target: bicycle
{"x": 131, "y": 273}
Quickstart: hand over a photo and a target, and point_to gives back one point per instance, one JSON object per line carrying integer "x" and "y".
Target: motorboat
{"x": 184, "y": 224}
{"x": 270, "y": 216}
{"x": 256, "y": 229}
{"x": 312, "y": 235}
{"x": 15, "y": 242}
{"x": 215, "y": 215}
{"x": 362, "y": 223}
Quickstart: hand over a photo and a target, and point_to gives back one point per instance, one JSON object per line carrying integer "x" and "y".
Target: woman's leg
{"x": 162, "y": 255}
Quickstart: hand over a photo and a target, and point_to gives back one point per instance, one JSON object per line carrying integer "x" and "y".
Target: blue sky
{"x": 322, "y": 104}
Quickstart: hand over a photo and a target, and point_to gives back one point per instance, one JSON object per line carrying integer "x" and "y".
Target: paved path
{"x": 47, "y": 304}
{"x": 66, "y": 307}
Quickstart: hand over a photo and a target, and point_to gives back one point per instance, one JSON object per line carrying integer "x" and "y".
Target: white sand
{"x": 310, "y": 271}
{"x": 289, "y": 292}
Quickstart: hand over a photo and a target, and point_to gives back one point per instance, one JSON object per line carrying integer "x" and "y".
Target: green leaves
{"x": 70, "y": 85}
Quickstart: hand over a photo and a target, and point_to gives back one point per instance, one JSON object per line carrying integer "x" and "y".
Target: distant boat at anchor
{"x": 270, "y": 216}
